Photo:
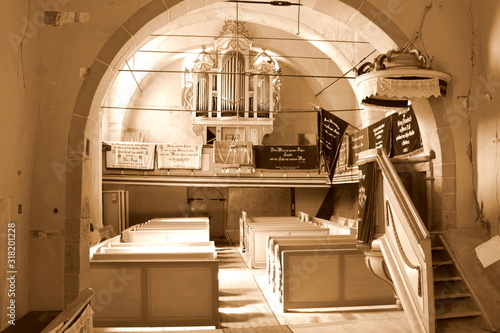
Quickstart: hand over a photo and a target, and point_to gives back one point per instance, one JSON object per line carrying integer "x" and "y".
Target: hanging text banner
{"x": 332, "y": 130}
{"x": 343, "y": 159}
{"x": 179, "y": 156}
{"x": 286, "y": 157}
{"x": 379, "y": 135}
{"x": 123, "y": 155}
{"x": 358, "y": 142}
{"x": 405, "y": 133}
{"x": 366, "y": 202}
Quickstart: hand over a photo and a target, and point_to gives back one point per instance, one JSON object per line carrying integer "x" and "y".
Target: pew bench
{"x": 257, "y": 235}
{"x": 130, "y": 254}
{"x": 338, "y": 225}
{"x": 165, "y": 236}
{"x": 185, "y": 244}
{"x": 154, "y": 284}
{"x": 181, "y": 219}
{"x": 330, "y": 278}
{"x": 277, "y": 269}
{"x": 171, "y": 227}
{"x": 248, "y": 226}
{"x": 155, "y": 293}
{"x": 271, "y": 241}
{"x": 245, "y": 221}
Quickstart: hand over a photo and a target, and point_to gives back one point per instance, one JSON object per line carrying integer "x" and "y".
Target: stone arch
{"x": 375, "y": 22}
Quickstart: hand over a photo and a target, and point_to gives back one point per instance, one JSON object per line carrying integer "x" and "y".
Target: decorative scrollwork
{"x": 390, "y": 221}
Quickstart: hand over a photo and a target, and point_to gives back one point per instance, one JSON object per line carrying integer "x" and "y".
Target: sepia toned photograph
{"x": 250, "y": 166}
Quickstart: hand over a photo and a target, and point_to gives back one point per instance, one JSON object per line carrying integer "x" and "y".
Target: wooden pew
{"x": 166, "y": 285}
{"x": 206, "y": 243}
{"x": 257, "y": 234}
{"x": 245, "y": 223}
{"x": 165, "y": 230}
{"x": 157, "y": 249}
{"x": 277, "y": 269}
{"x": 330, "y": 278}
{"x": 271, "y": 241}
{"x": 253, "y": 231}
{"x": 181, "y": 219}
{"x": 155, "y": 292}
{"x": 248, "y": 225}
{"x": 338, "y": 225}
{"x": 245, "y": 219}
{"x": 165, "y": 236}
{"x": 160, "y": 225}
{"x": 130, "y": 254}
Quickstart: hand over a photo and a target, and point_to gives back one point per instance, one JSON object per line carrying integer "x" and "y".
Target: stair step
{"x": 451, "y": 295}
{"x": 447, "y": 278}
{"x": 458, "y": 314}
{"x": 437, "y": 248}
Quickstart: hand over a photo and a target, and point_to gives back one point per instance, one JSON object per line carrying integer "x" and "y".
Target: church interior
{"x": 250, "y": 166}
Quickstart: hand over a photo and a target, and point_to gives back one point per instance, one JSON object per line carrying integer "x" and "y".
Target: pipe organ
{"x": 233, "y": 91}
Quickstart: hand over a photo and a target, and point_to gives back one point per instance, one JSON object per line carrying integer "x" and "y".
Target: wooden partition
{"x": 166, "y": 236}
{"x": 160, "y": 273}
{"x": 257, "y": 235}
{"x": 338, "y": 225}
{"x": 271, "y": 241}
{"x": 330, "y": 278}
{"x": 181, "y": 219}
{"x": 155, "y": 293}
{"x": 276, "y": 265}
{"x": 244, "y": 220}
{"x": 255, "y": 230}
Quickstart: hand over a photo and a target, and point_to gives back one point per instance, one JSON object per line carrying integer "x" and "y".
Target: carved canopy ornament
{"x": 404, "y": 73}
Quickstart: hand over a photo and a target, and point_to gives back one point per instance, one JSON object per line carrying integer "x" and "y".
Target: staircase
{"x": 456, "y": 308}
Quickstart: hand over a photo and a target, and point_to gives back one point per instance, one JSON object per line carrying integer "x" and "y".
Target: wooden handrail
{"x": 405, "y": 244}
{"x": 391, "y": 223}
{"x": 71, "y": 313}
{"x": 390, "y": 174}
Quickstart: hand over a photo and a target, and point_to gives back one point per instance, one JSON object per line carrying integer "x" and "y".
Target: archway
{"x": 84, "y": 160}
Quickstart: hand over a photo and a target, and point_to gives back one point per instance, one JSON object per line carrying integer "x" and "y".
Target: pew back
{"x": 165, "y": 236}
{"x": 150, "y": 256}
{"x": 181, "y": 219}
{"x": 185, "y": 244}
{"x": 157, "y": 249}
{"x": 256, "y": 253}
{"x": 276, "y": 269}
{"x": 155, "y": 293}
{"x": 271, "y": 241}
{"x": 330, "y": 278}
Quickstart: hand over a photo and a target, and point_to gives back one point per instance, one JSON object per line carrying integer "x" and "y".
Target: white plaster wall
{"x": 18, "y": 121}
{"x": 461, "y": 37}
{"x": 39, "y": 91}
{"x": 484, "y": 107}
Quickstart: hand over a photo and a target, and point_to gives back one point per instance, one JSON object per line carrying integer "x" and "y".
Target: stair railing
{"x": 405, "y": 245}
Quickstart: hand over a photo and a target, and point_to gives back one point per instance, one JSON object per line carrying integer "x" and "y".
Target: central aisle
{"x": 242, "y": 304}
{"x": 246, "y": 305}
